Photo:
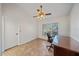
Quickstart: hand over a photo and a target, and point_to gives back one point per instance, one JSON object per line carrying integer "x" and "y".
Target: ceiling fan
{"x": 41, "y": 13}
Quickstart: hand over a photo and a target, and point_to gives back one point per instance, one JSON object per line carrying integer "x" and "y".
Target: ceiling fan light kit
{"x": 41, "y": 14}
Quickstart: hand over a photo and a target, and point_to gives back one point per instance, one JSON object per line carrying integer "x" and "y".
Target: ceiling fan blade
{"x": 48, "y": 14}
{"x": 34, "y": 16}
{"x": 40, "y": 8}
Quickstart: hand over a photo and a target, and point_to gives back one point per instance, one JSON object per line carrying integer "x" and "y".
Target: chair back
{"x": 49, "y": 38}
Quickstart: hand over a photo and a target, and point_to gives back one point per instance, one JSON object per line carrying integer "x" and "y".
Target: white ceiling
{"x": 57, "y": 9}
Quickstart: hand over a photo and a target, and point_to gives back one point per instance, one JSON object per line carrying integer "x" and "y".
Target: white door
{"x": 11, "y": 31}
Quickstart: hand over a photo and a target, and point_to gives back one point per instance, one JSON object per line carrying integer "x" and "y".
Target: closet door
{"x": 10, "y": 26}
{"x": 11, "y": 29}
{"x": 11, "y": 32}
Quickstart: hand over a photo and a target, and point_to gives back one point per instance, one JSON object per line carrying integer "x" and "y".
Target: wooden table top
{"x": 67, "y": 43}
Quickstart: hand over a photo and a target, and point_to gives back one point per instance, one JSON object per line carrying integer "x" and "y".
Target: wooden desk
{"x": 66, "y": 47}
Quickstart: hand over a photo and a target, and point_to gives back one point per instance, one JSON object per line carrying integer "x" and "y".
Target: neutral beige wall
{"x": 14, "y": 14}
{"x": 63, "y": 25}
{"x": 0, "y": 30}
{"x": 30, "y": 29}
{"x": 74, "y": 19}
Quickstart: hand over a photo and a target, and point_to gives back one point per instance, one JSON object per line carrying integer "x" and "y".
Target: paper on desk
{"x": 56, "y": 39}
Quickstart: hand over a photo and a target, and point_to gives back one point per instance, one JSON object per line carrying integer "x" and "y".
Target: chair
{"x": 50, "y": 40}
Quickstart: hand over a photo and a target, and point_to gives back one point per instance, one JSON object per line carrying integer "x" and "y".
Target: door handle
{"x": 16, "y": 33}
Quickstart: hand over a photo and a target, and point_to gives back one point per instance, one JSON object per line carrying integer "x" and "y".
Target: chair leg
{"x": 49, "y": 49}
{"x": 51, "y": 46}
